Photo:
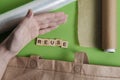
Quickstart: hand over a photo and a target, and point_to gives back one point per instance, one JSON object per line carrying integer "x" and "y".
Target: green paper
{"x": 67, "y": 31}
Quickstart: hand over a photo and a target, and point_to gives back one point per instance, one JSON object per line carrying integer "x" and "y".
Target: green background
{"x": 67, "y": 31}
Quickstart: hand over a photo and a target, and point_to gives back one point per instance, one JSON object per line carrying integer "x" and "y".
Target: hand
{"x": 30, "y": 27}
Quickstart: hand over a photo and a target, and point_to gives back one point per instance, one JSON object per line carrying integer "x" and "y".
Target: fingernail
{"x": 29, "y": 13}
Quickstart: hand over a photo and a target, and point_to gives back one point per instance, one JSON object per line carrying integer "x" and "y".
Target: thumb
{"x": 29, "y": 13}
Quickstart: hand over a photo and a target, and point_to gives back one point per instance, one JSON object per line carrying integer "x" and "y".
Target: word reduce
{"x": 52, "y": 42}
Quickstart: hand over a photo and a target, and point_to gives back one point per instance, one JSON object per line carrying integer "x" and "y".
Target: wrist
{"x": 5, "y": 54}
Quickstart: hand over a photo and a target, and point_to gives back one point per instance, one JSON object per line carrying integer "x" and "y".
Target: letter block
{"x": 58, "y": 42}
{"x": 64, "y": 44}
{"x": 52, "y": 42}
{"x": 39, "y": 41}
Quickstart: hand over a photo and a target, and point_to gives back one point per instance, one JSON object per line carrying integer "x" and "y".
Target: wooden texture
{"x": 52, "y": 42}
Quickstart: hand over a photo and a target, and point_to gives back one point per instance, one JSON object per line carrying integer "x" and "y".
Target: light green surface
{"x": 67, "y": 31}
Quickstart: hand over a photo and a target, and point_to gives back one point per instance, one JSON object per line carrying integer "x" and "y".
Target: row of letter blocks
{"x": 52, "y": 42}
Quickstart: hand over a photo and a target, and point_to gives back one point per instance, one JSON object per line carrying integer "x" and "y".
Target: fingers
{"x": 29, "y": 13}
{"x": 48, "y": 25}
{"x": 47, "y": 21}
{"x": 45, "y": 16}
{"x": 59, "y": 19}
{"x": 46, "y": 30}
{"x": 27, "y": 19}
{"x": 50, "y": 17}
{"x": 51, "y": 21}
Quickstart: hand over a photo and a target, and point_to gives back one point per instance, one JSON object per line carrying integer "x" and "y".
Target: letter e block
{"x": 64, "y": 44}
{"x": 46, "y": 42}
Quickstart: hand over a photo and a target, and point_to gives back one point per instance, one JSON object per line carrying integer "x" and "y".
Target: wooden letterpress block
{"x": 58, "y": 42}
{"x": 39, "y": 41}
{"x": 52, "y": 42}
{"x": 64, "y": 44}
{"x": 46, "y": 42}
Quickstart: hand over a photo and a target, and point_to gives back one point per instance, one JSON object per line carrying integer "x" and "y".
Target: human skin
{"x": 29, "y": 28}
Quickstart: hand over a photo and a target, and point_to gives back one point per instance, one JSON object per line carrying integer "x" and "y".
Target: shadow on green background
{"x": 67, "y": 31}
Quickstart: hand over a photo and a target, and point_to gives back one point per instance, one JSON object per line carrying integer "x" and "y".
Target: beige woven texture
{"x": 89, "y": 23}
{"x": 35, "y": 68}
